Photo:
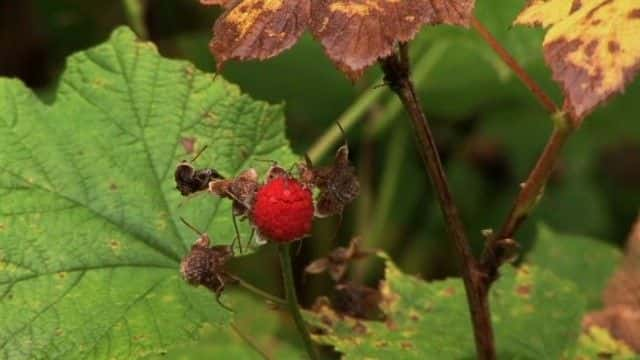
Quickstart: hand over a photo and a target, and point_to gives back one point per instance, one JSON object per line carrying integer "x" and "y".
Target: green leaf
{"x": 535, "y": 315}
{"x": 90, "y": 241}
{"x": 587, "y": 262}
{"x": 254, "y": 332}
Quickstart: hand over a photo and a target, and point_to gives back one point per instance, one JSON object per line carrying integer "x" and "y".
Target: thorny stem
{"x": 494, "y": 252}
{"x": 396, "y": 69}
{"x": 290, "y": 291}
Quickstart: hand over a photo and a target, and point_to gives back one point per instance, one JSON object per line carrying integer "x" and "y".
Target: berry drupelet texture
{"x": 283, "y": 210}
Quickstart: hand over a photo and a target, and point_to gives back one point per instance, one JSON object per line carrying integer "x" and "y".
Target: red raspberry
{"x": 283, "y": 210}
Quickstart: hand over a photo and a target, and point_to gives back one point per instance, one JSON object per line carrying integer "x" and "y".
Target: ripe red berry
{"x": 283, "y": 210}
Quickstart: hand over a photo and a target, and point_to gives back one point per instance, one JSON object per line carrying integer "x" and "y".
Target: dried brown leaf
{"x": 621, "y": 315}
{"x": 356, "y": 33}
{"x": 258, "y": 29}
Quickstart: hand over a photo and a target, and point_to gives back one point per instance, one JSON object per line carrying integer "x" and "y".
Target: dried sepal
{"x": 204, "y": 265}
{"x": 592, "y": 47}
{"x": 338, "y": 260}
{"x": 337, "y": 183}
{"x": 241, "y": 190}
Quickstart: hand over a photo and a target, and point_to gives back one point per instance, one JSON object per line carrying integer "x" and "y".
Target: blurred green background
{"x": 489, "y": 128}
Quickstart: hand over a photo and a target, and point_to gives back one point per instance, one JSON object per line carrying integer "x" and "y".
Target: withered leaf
{"x": 621, "y": 315}
{"x": 592, "y": 47}
{"x": 356, "y": 33}
{"x": 258, "y": 29}
{"x": 240, "y": 189}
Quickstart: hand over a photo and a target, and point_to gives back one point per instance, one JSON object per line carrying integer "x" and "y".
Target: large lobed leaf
{"x": 592, "y": 47}
{"x": 587, "y": 262}
{"x": 536, "y": 315}
{"x": 89, "y": 239}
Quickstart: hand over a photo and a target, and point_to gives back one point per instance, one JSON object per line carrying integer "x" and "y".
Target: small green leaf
{"x": 90, "y": 241}
{"x": 535, "y": 315}
{"x": 587, "y": 262}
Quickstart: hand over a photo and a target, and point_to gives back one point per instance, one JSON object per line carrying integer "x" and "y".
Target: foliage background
{"x": 489, "y": 128}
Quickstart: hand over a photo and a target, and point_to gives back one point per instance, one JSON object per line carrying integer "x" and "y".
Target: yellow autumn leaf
{"x": 592, "y": 47}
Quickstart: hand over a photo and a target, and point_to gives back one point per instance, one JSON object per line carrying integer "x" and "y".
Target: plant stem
{"x": 520, "y": 72}
{"x": 134, "y": 9}
{"x": 248, "y": 286}
{"x": 290, "y": 291}
{"x": 528, "y": 197}
{"x": 494, "y": 251}
{"x": 397, "y": 77}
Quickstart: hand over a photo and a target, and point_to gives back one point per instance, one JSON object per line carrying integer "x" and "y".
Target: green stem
{"x": 347, "y": 120}
{"x": 248, "y": 286}
{"x": 393, "y": 107}
{"x": 290, "y": 291}
{"x": 134, "y": 9}
{"x": 396, "y": 157}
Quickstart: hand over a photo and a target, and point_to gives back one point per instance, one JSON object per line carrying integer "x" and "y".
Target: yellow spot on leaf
{"x": 244, "y": 16}
{"x": 6, "y": 267}
{"x": 353, "y": 9}
{"x": 115, "y": 245}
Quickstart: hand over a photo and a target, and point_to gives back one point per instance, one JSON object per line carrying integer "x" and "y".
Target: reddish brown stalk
{"x": 495, "y": 251}
{"x": 521, "y": 73}
{"x": 397, "y": 70}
